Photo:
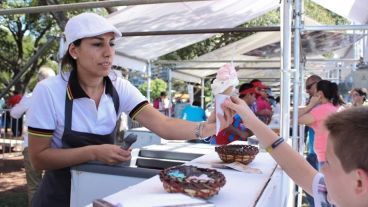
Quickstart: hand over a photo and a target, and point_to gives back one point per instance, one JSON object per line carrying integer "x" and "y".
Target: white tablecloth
{"x": 241, "y": 189}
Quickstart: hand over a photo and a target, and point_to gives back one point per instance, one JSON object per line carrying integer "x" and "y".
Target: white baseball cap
{"x": 87, "y": 25}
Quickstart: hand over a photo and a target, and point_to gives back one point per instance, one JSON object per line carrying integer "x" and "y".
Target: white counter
{"x": 241, "y": 189}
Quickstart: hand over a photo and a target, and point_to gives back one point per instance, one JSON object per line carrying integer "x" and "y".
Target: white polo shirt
{"x": 46, "y": 114}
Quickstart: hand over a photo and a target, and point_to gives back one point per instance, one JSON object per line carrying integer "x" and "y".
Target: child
{"x": 237, "y": 130}
{"x": 345, "y": 174}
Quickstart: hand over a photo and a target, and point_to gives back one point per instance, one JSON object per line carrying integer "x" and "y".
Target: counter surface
{"x": 241, "y": 189}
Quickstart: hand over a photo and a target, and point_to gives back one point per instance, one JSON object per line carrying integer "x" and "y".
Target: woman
{"x": 325, "y": 102}
{"x": 358, "y": 96}
{"x": 73, "y": 117}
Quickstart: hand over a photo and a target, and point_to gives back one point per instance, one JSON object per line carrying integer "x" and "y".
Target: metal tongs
{"x": 128, "y": 141}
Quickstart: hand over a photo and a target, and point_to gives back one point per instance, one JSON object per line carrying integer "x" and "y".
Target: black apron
{"x": 54, "y": 190}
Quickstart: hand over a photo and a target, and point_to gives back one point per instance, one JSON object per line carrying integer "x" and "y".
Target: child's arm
{"x": 293, "y": 163}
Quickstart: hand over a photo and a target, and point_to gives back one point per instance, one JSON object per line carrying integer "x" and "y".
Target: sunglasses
{"x": 309, "y": 86}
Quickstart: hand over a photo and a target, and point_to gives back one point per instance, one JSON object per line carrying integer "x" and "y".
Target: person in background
{"x": 33, "y": 176}
{"x": 16, "y": 124}
{"x": 2, "y": 114}
{"x": 311, "y": 89}
{"x": 358, "y": 96}
{"x": 263, "y": 107}
{"x": 237, "y": 130}
{"x": 162, "y": 103}
{"x": 324, "y": 103}
{"x": 74, "y": 118}
{"x": 179, "y": 106}
{"x": 194, "y": 112}
{"x": 344, "y": 178}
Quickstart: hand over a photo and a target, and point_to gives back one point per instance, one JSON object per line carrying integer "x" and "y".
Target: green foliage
{"x": 157, "y": 86}
{"x": 22, "y": 35}
{"x": 323, "y": 15}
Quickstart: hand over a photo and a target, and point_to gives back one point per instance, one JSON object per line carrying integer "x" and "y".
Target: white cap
{"x": 87, "y": 25}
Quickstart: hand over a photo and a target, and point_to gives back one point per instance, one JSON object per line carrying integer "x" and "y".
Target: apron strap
{"x": 69, "y": 108}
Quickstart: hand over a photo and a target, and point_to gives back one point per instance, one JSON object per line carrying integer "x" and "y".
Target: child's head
{"x": 346, "y": 170}
{"x": 248, "y": 93}
{"x": 260, "y": 88}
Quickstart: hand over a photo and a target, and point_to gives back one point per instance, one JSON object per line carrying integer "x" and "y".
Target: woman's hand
{"x": 314, "y": 100}
{"x": 225, "y": 120}
{"x": 111, "y": 154}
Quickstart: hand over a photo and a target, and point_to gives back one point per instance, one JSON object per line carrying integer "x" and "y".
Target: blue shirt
{"x": 311, "y": 141}
{"x": 193, "y": 113}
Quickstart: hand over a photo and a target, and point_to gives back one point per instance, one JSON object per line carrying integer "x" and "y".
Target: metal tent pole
{"x": 285, "y": 46}
{"x": 86, "y": 5}
{"x": 216, "y": 68}
{"x": 149, "y": 65}
{"x": 202, "y": 93}
{"x": 202, "y": 31}
{"x": 285, "y": 66}
{"x": 296, "y": 140}
{"x": 170, "y": 88}
{"x": 335, "y": 27}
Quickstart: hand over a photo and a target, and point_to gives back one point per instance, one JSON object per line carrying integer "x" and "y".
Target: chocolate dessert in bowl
{"x": 237, "y": 153}
{"x": 193, "y": 181}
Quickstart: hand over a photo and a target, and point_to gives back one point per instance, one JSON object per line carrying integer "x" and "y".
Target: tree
{"x": 21, "y": 36}
{"x": 157, "y": 86}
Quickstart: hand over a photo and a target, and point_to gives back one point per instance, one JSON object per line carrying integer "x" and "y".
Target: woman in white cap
{"x": 74, "y": 119}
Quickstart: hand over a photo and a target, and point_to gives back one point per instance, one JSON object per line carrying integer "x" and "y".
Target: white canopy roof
{"x": 354, "y": 10}
{"x": 134, "y": 52}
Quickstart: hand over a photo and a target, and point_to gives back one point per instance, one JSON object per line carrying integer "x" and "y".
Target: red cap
{"x": 259, "y": 84}
{"x": 247, "y": 91}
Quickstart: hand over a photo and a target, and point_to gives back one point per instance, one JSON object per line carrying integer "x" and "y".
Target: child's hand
{"x": 239, "y": 106}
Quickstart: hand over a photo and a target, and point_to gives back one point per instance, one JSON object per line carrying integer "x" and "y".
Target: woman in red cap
{"x": 263, "y": 107}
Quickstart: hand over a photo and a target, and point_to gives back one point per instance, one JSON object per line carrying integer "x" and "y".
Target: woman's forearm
{"x": 51, "y": 158}
{"x": 173, "y": 129}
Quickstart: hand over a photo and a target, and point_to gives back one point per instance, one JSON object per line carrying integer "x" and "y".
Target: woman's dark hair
{"x": 330, "y": 91}
{"x": 163, "y": 93}
{"x": 68, "y": 62}
{"x": 361, "y": 93}
{"x": 243, "y": 87}
{"x": 196, "y": 103}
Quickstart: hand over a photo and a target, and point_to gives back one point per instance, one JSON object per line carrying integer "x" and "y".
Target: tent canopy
{"x": 354, "y": 10}
{"x": 258, "y": 55}
{"x": 135, "y": 52}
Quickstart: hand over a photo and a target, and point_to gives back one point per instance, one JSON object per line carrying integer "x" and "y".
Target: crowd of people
{"x": 72, "y": 118}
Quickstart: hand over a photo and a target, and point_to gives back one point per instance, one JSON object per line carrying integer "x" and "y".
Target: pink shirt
{"x": 320, "y": 114}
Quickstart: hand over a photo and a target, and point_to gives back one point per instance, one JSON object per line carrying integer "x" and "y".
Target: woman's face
{"x": 94, "y": 56}
{"x": 356, "y": 98}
